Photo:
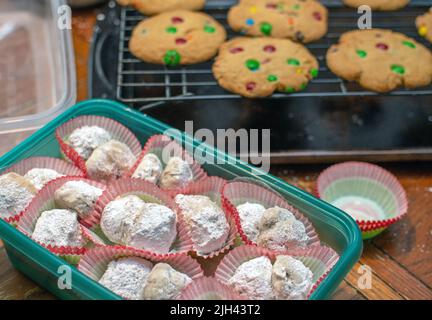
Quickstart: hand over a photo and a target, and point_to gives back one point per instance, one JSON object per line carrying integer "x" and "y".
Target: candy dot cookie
{"x": 381, "y": 60}
{"x": 257, "y": 67}
{"x": 424, "y": 25}
{"x": 302, "y": 21}
{"x": 384, "y": 5}
{"x": 152, "y": 7}
{"x": 177, "y": 38}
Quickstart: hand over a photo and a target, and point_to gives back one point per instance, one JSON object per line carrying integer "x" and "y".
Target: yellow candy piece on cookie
{"x": 422, "y": 31}
{"x": 253, "y": 9}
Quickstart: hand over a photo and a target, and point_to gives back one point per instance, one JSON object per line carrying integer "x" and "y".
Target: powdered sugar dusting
{"x": 206, "y": 220}
{"x": 253, "y": 279}
{"x": 86, "y": 139}
{"x": 176, "y": 174}
{"x": 41, "y": 176}
{"x": 127, "y": 277}
{"x": 150, "y": 169}
{"x": 15, "y": 194}
{"x": 250, "y": 215}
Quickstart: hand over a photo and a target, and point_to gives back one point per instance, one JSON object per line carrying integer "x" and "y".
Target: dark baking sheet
{"x": 330, "y": 121}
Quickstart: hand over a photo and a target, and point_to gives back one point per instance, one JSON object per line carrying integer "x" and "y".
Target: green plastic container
{"x": 334, "y": 227}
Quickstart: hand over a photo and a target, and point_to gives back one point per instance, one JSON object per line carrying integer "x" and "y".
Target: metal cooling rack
{"x": 140, "y": 82}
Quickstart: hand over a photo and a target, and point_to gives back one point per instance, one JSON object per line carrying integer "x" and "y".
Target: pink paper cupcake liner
{"x": 150, "y": 192}
{"x": 319, "y": 259}
{"x": 157, "y": 143}
{"x": 117, "y": 131}
{"x": 212, "y": 188}
{"x": 368, "y": 171}
{"x": 206, "y": 288}
{"x": 44, "y": 201}
{"x": 240, "y": 191}
{"x": 24, "y": 166}
{"x": 95, "y": 262}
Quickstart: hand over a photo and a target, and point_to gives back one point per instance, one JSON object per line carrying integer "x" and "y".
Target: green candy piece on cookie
{"x": 172, "y": 58}
{"x": 252, "y": 64}
{"x": 409, "y": 44}
{"x": 361, "y": 53}
{"x": 314, "y": 73}
{"x": 293, "y": 62}
{"x": 171, "y": 29}
{"x": 266, "y": 28}
{"x": 272, "y": 78}
{"x": 209, "y": 29}
{"x": 398, "y": 69}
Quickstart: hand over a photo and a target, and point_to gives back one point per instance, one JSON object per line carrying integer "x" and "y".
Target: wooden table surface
{"x": 400, "y": 258}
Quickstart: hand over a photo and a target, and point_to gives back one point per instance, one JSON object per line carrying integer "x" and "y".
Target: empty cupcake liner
{"x": 240, "y": 191}
{"x": 116, "y": 129}
{"x": 319, "y": 259}
{"x": 24, "y": 166}
{"x": 212, "y": 188}
{"x": 209, "y": 288}
{"x": 149, "y": 193}
{"x": 44, "y": 201}
{"x": 95, "y": 262}
{"x": 163, "y": 147}
{"x": 366, "y": 182}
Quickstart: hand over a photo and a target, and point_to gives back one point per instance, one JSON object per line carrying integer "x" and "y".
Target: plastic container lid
{"x": 37, "y": 69}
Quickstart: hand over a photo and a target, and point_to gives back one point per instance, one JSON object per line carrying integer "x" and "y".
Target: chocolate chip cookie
{"x": 424, "y": 25}
{"x": 381, "y": 60}
{"x": 383, "y": 5}
{"x": 257, "y": 67}
{"x": 302, "y": 21}
{"x": 152, "y": 7}
{"x": 177, "y": 38}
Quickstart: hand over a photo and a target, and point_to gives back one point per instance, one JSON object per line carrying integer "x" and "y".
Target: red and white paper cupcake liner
{"x": 240, "y": 191}
{"x": 44, "y": 201}
{"x": 368, "y": 171}
{"x": 209, "y": 288}
{"x": 212, "y": 188}
{"x": 150, "y": 193}
{"x": 319, "y": 259}
{"x": 164, "y": 147}
{"x": 118, "y": 132}
{"x": 24, "y": 166}
{"x": 95, "y": 262}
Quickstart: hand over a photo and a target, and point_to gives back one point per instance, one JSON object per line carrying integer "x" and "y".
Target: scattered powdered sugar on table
{"x": 118, "y": 217}
{"x": 155, "y": 229}
{"x": 58, "y": 228}
{"x": 279, "y": 229}
{"x": 165, "y": 283}
{"x": 253, "y": 279}
{"x": 176, "y": 174}
{"x": 150, "y": 169}
{"x": 86, "y": 139}
{"x": 110, "y": 160}
{"x": 77, "y": 195}
{"x": 41, "y": 176}
{"x": 250, "y": 215}
{"x": 291, "y": 279}
{"x": 16, "y": 193}
{"x": 206, "y": 220}
{"x": 127, "y": 277}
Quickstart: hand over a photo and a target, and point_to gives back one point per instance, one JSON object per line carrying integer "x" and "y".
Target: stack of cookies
{"x": 270, "y": 55}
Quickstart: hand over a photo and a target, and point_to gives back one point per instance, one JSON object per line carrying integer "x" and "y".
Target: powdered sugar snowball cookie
{"x": 384, "y": 5}
{"x": 16, "y": 192}
{"x": 165, "y": 283}
{"x": 118, "y": 218}
{"x": 127, "y": 277}
{"x": 206, "y": 221}
{"x": 86, "y": 139}
{"x": 299, "y": 20}
{"x": 149, "y": 169}
{"x": 154, "y": 229}
{"x": 151, "y": 7}
{"x": 177, "y": 38}
{"x": 279, "y": 229}
{"x": 77, "y": 195}
{"x": 250, "y": 216}
{"x": 258, "y": 67}
{"x": 110, "y": 161}
{"x": 41, "y": 176}
{"x": 177, "y": 174}
{"x": 253, "y": 279}
{"x": 58, "y": 228}
{"x": 291, "y": 279}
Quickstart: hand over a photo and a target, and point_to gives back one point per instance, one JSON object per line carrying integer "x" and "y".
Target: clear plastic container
{"x": 37, "y": 69}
